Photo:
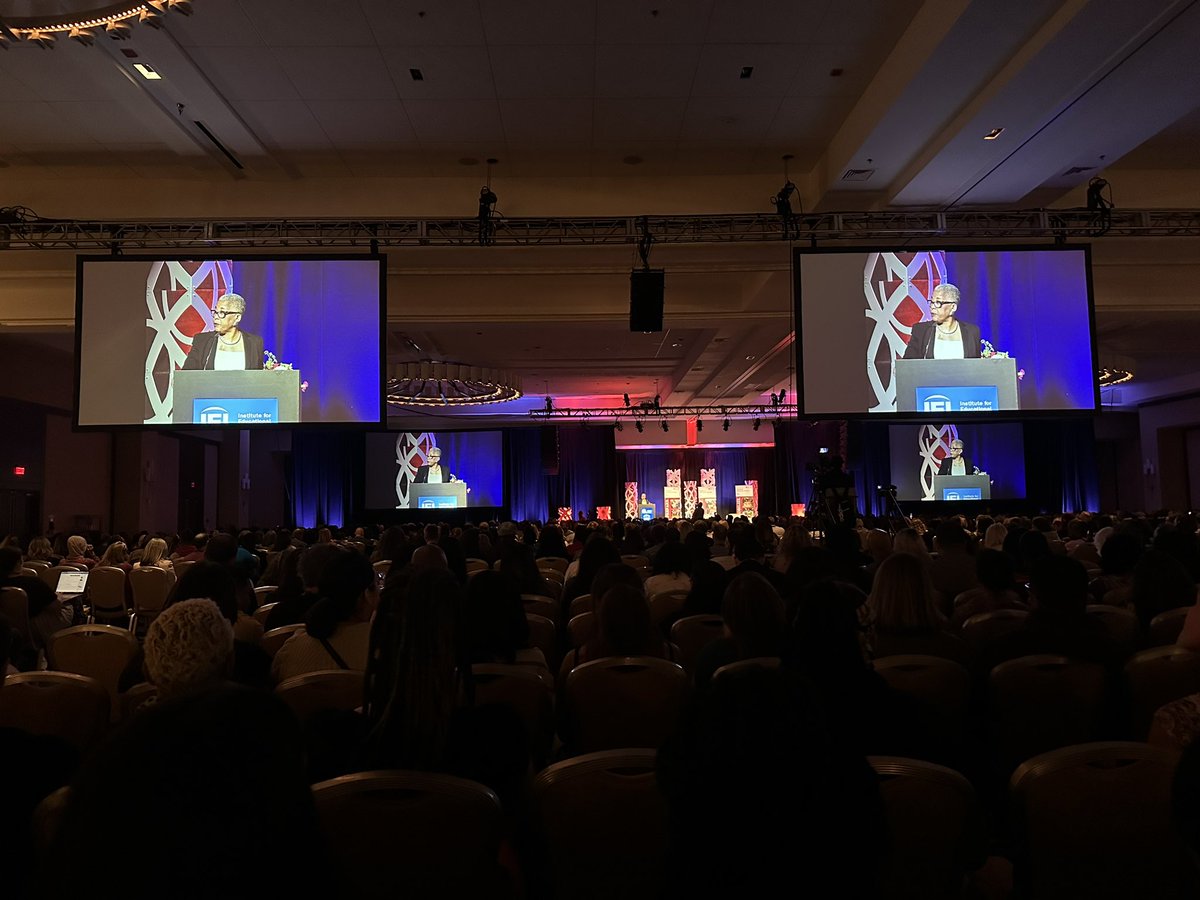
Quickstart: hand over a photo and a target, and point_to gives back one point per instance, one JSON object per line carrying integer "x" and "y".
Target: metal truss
{"x": 27, "y": 232}
{"x": 649, "y": 412}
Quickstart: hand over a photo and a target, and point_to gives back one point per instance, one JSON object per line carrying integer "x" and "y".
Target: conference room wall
{"x": 78, "y": 471}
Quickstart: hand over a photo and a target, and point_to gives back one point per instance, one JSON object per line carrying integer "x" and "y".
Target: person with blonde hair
{"x": 116, "y": 555}
{"x": 903, "y": 612}
{"x": 40, "y": 549}
{"x": 155, "y": 555}
{"x": 993, "y": 538}
{"x": 188, "y": 647}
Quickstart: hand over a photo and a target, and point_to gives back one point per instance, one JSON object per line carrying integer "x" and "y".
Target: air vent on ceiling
{"x": 858, "y": 174}
{"x": 1077, "y": 170}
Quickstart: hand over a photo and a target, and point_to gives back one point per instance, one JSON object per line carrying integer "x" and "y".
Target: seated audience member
{"x": 697, "y": 546}
{"x": 1118, "y": 557}
{"x": 223, "y": 549}
{"x": 300, "y": 574}
{"x": 670, "y": 571}
{"x": 993, "y": 538}
{"x": 708, "y": 589}
{"x": 1180, "y": 542}
{"x": 596, "y": 554}
{"x": 752, "y": 736}
{"x": 997, "y": 589}
{"x": 79, "y": 553}
{"x": 551, "y": 543}
{"x": 1185, "y": 802}
{"x": 622, "y": 628}
{"x": 878, "y": 544}
{"x": 188, "y": 648}
{"x": 193, "y": 552}
{"x": 47, "y": 613}
{"x": 41, "y": 551}
{"x": 904, "y": 614}
{"x": 117, "y": 556}
{"x": 155, "y": 556}
{"x": 909, "y": 540}
{"x": 496, "y": 630}
{"x": 720, "y": 540}
{"x": 211, "y": 784}
{"x": 337, "y": 628}
{"x": 427, "y": 556}
{"x": 755, "y": 625}
{"x": 1031, "y": 548}
{"x": 518, "y": 563}
{"x": 1160, "y": 583}
{"x": 216, "y": 583}
{"x": 953, "y": 570}
{"x": 751, "y": 557}
{"x": 456, "y": 559}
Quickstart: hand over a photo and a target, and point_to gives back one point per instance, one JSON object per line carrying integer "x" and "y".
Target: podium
{"x": 962, "y": 487}
{"x": 646, "y": 512}
{"x": 250, "y": 397}
{"x": 956, "y": 385}
{"x": 449, "y": 495}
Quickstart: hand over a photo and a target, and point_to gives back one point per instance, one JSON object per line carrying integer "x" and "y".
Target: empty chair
{"x": 1041, "y": 703}
{"x": 692, "y": 634}
{"x": 1165, "y": 627}
{"x": 101, "y": 652}
{"x": 754, "y": 662}
{"x": 1156, "y": 677}
{"x": 555, "y": 563}
{"x": 527, "y": 690}
{"x": 580, "y": 605}
{"x": 580, "y": 628}
{"x": 935, "y": 833}
{"x": 1120, "y": 624}
{"x": 540, "y": 606}
{"x": 1094, "y": 821}
{"x": 603, "y": 822}
{"x": 106, "y": 592}
{"x": 150, "y": 587}
{"x": 983, "y": 630}
{"x": 312, "y": 692}
{"x": 413, "y": 834}
{"x": 73, "y": 707}
{"x": 631, "y": 701}
{"x": 544, "y": 636}
{"x": 277, "y": 637}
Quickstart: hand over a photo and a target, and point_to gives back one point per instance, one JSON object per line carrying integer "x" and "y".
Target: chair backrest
{"x": 981, "y": 630}
{"x": 1121, "y": 625}
{"x": 30, "y": 573}
{"x": 262, "y": 593}
{"x": 603, "y": 821}
{"x": 581, "y": 604}
{"x": 325, "y": 689}
{"x": 101, "y": 652}
{"x": 412, "y": 834}
{"x": 543, "y": 634}
{"x": 934, "y": 833}
{"x": 384, "y": 566}
{"x": 50, "y": 575}
{"x": 941, "y": 683}
{"x": 1095, "y": 821}
{"x": 38, "y": 564}
{"x": 631, "y": 701}
{"x": 580, "y": 629}
{"x": 692, "y": 634}
{"x": 527, "y": 690}
{"x": 725, "y": 562}
{"x": 151, "y": 587}
{"x": 1156, "y": 677}
{"x": 14, "y": 606}
{"x": 137, "y": 698}
{"x": 263, "y": 612}
{"x": 1041, "y": 703}
{"x": 554, "y": 563}
{"x": 540, "y": 606}
{"x": 73, "y": 707}
{"x": 181, "y": 566}
{"x": 1165, "y": 627}
{"x": 277, "y": 637}
{"x": 743, "y": 665}
{"x": 637, "y": 560}
{"x": 106, "y": 590}
{"x": 553, "y": 576}
{"x": 666, "y": 604}
{"x": 476, "y": 565}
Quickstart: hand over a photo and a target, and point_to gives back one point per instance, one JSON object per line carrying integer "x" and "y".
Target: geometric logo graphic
{"x": 933, "y": 445}
{"x": 213, "y": 415}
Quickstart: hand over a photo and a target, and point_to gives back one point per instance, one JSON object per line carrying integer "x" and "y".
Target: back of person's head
{"x": 1120, "y": 552}
{"x": 314, "y": 561}
{"x": 175, "y": 779}
{"x": 827, "y": 637}
{"x": 612, "y": 575}
{"x": 993, "y": 538}
{"x": 909, "y": 540}
{"x": 755, "y": 615}
{"x": 1181, "y": 543}
{"x": 188, "y": 647}
{"x": 672, "y": 558}
{"x": 77, "y": 545}
{"x": 1161, "y": 583}
{"x": 951, "y": 537}
{"x": 221, "y": 548}
{"x": 432, "y": 533}
{"x": 1059, "y": 586}
{"x": 720, "y": 532}
{"x": 879, "y": 543}
{"x": 1185, "y": 801}
{"x": 429, "y": 556}
{"x": 211, "y": 581}
{"x": 1032, "y": 546}
{"x": 624, "y": 627}
{"x": 697, "y": 547}
{"x": 995, "y": 570}
{"x": 10, "y": 560}
{"x": 902, "y": 597}
{"x": 115, "y": 554}
{"x": 708, "y": 589}
{"x": 494, "y": 618}
{"x": 343, "y": 584}
{"x": 747, "y": 547}
{"x": 597, "y": 553}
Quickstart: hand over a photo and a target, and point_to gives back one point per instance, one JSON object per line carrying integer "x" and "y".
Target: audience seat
{"x": 30, "y": 573}
{"x": 325, "y": 689}
{"x": 1041, "y": 703}
{"x": 692, "y": 634}
{"x": 725, "y": 562}
{"x": 263, "y": 613}
{"x": 554, "y": 563}
{"x": 665, "y": 605}
{"x": 543, "y": 634}
{"x": 580, "y": 605}
{"x": 106, "y": 593}
{"x": 754, "y": 662}
{"x": 982, "y": 630}
{"x": 636, "y": 560}
{"x": 413, "y": 834}
{"x": 263, "y": 593}
{"x": 476, "y": 565}
{"x": 181, "y": 567}
{"x": 384, "y": 566}
{"x": 73, "y": 707}
{"x": 1165, "y": 627}
{"x": 942, "y": 687}
{"x": 277, "y": 637}
{"x": 579, "y": 629}
{"x": 38, "y": 564}
{"x": 139, "y": 697}
{"x": 540, "y": 606}
{"x": 50, "y": 575}
{"x": 1120, "y": 624}
{"x": 150, "y": 587}
{"x": 102, "y": 652}
{"x": 529, "y": 691}
{"x": 603, "y": 826}
{"x": 1094, "y": 821}
{"x": 1156, "y": 677}
{"x": 615, "y": 702}
{"x": 14, "y": 606}
{"x": 935, "y": 829}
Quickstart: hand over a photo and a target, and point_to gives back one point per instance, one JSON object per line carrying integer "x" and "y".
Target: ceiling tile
{"x": 349, "y": 122}
{"x": 419, "y": 22}
{"x": 816, "y": 61}
{"x": 446, "y": 160}
{"x": 530, "y": 121}
{"x": 308, "y": 23}
{"x": 286, "y": 124}
{"x": 239, "y": 75}
{"x": 69, "y": 72}
{"x": 39, "y": 124}
{"x": 11, "y": 86}
{"x": 641, "y": 119}
{"x": 725, "y": 118}
{"x": 657, "y": 158}
{"x": 221, "y": 23}
{"x": 865, "y": 22}
{"x": 646, "y": 71}
{"x": 381, "y": 160}
{"x": 808, "y": 119}
{"x": 539, "y": 21}
{"x": 547, "y": 161}
{"x": 318, "y": 164}
{"x": 458, "y": 72}
{"x": 337, "y": 73}
{"x": 107, "y": 121}
{"x": 718, "y": 73}
{"x": 446, "y": 121}
{"x": 544, "y": 71}
{"x": 653, "y": 21}
{"x": 765, "y": 21}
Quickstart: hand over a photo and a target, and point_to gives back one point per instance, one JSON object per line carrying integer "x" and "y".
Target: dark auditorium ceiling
{"x": 587, "y": 102}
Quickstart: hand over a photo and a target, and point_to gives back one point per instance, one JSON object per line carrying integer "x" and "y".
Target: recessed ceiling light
{"x": 147, "y": 72}
{"x": 993, "y": 134}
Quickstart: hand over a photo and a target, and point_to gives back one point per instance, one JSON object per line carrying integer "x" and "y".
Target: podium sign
{"x": 451, "y": 495}
{"x": 956, "y": 385}
{"x": 251, "y": 397}
{"x": 646, "y": 512}
{"x": 962, "y": 487}
{"x": 744, "y": 497}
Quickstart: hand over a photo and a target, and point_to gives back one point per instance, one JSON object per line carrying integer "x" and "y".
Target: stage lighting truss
{"x": 449, "y": 385}
{"x": 661, "y": 415}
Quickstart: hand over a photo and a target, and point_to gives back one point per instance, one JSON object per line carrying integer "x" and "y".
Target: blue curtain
{"x": 797, "y": 444}
{"x": 869, "y": 459}
{"x": 1060, "y": 465}
{"x": 321, "y": 472}
{"x": 586, "y": 475}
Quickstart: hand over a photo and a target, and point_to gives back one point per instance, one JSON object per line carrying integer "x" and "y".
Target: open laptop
{"x": 70, "y": 583}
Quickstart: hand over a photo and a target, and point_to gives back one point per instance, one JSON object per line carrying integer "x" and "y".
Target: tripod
{"x": 891, "y": 509}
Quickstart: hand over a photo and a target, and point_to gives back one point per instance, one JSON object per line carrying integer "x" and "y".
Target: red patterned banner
{"x": 631, "y": 499}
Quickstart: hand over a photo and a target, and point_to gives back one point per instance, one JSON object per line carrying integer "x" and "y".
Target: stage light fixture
{"x": 618, "y": 425}
{"x": 627, "y": 401}
{"x": 664, "y": 425}
{"x": 757, "y": 424}
{"x": 699, "y": 425}
{"x": 549, "y": 403}
{"x": 639, "y": 426}
{"x": 725, "y": 425}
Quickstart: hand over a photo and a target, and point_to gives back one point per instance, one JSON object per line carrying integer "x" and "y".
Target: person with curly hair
{"x": 189, "y": 647}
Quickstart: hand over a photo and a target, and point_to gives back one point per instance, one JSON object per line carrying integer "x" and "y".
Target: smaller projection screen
{"x": 229, "y": 341}
{"x": 971, "y": 332}
{"x": 921, "y": 450}
{"x": 399, "y": 474}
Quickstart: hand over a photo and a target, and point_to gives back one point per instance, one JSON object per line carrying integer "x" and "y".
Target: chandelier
{"x": 81, "y": 20}
{"x": 1113, "y": 376}
{"x": 428, "y": 383}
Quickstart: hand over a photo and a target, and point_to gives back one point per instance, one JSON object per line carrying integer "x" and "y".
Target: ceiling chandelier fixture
{"x": 1114, "y": 376}
{"x": 81, "y": 20}
{"x": 448, "y": 384}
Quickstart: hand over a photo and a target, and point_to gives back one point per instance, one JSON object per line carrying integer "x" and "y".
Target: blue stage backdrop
{"x": 581, "y": 474}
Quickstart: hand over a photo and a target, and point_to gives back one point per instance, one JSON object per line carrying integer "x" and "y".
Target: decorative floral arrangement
{"x": 990, "y": 352}
{"x": 272, "y": 363}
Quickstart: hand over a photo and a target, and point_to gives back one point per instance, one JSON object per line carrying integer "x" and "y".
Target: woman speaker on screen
{"x": 944, "y": 336}
{"x": 226, "y": 347}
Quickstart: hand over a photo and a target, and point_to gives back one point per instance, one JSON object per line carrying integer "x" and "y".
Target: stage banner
{"x": 744, "y": 495}
{"x": 690, "y": 496}
{"x": 565, "y": 514}
{"x": 631, "y": 499}
{"x": 604, "y": 513}
{"x": 673, "y": 494}
{"x": 708, "y": 491}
